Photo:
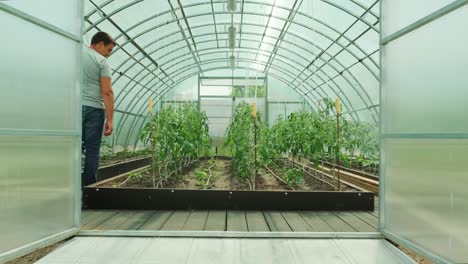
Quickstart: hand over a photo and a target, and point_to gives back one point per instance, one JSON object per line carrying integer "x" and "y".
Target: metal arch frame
{"x": 330, "y": 66}
{"x": 356, "y": 3}
{"x": 335, "y": 42}
{"x": 365, "y": 65}
{"x": 297, "y": 23}
{"x": 115, "y": 11}
{"x": 357, "y": 58}
{"x": 214, "y": 20}
{"x": 132, "y": 41}
{"x": 249, "y": 13}
{"x": 195, "y": 54}
{"x": 266, "y": 27}
{"x": 124, "y": 121}
{"x": 282, "y": 33}
{"x": 93, "y": 11}
{"x": 253, "y": 24}
{"x": 322, "y": 35}
{"x": 248, "y": 2}
{"x": 340, "y": 65}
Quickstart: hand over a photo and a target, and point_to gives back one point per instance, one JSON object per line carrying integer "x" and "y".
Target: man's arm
{"x": 108, "y": 98}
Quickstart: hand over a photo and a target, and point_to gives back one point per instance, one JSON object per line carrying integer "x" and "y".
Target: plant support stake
{"x": 254, "y": 115}
{"x": 337, "y": 108}
{"x": 150, "y": 110}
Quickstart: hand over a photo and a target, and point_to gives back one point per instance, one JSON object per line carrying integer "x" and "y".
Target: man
{"x": 98, "y": 102}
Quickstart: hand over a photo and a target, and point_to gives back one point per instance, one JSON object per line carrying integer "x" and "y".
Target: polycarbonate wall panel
{"x": 283, "y": 110}
{"x": 36, "y": 187}
{"x": 68, "y": 18}
{"x": 219, "y": 112}
{"x": 40, "y": 128}
{"x": 424, "y": 125}
{"x": 39, "y": 77}
{"x": 427, "y": 77}
{"x": 425, "y": 193}
{"x": 401, "y": 13}
{"x": 218, "y": 126}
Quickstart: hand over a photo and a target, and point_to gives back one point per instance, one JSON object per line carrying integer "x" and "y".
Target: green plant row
{"x": 314, "y": 135}
{"x": 179, "y": 134}
{"x": 240, "y": 141}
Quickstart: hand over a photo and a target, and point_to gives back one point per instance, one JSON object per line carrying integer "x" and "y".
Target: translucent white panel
{"x": 39, "y": 77}
{"x": 187, "y": 90}
{"x": 357, "y": 51}
{"x": 425, "y": 78}
{"x": 134, "y": 138}
{"x": 37, "y": 178}
{"x": 368, "y": 42}
{"x": 369, "y": 83}
{"x": 217, "y": 126}
{"x": 293, "y": 55}
{"x": 236, "y": 82}
{"x": 124, "y": 128}
{"x": 283, "y": 109}
{"x": 398, "y": 14}
{"x": 277, "y": 90}
{"x": 217, "y": 107}
{"x": 219, "y": 113}
{"x": 69, "y": 18}
{"x": 335, "y": 17}
{"x": 425, "y": 194}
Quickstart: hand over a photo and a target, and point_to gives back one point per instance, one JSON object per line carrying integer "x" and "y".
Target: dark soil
{"x": 223, "y": 178}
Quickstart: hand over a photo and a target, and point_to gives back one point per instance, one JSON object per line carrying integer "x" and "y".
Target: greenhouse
{"x": 233, "y": 131}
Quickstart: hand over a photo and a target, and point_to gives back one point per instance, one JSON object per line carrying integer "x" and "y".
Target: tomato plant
{"x": 180, "y": 135}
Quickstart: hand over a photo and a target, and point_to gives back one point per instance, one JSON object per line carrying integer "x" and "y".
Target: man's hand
{"x": 108, "y": 128}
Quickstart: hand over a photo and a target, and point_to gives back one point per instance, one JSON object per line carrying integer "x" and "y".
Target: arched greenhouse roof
{"x": 311, "y": 48}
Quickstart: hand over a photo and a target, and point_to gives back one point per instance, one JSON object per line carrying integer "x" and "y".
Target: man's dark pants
{"x": 93, "y": 125}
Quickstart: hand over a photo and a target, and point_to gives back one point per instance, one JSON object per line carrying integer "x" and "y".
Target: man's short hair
{"x": 102, "y": 36}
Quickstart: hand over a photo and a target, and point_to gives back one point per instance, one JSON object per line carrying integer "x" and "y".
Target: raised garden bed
{"x": 221, "y": 190}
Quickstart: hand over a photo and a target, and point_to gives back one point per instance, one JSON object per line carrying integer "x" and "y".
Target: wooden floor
{"x": 283, "y": 221}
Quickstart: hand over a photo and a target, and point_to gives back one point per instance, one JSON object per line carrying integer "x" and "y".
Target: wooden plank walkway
{"x": 230, "y": 220}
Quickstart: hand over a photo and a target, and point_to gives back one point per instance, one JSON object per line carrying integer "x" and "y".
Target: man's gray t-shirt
{"x": 95, "y": 66}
